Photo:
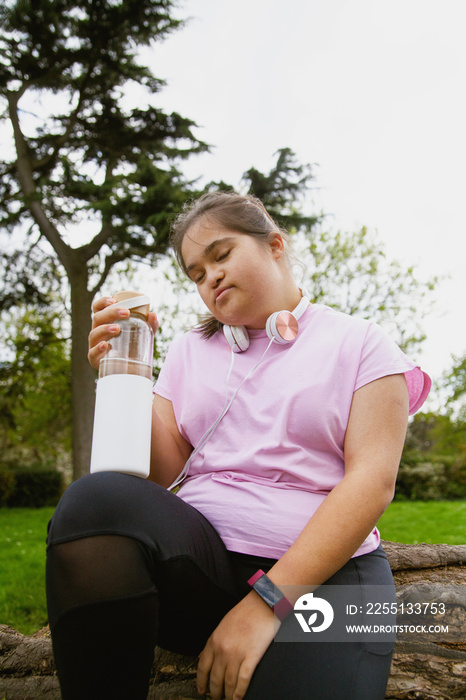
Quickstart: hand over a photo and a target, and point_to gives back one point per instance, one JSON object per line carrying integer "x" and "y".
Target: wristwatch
{"x": 272, "y": 595}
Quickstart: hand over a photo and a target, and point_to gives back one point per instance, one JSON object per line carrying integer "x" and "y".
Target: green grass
{"x": 22, "y": 550}
{"x": 435, "y": 522}
{"x": 22, "y": 567}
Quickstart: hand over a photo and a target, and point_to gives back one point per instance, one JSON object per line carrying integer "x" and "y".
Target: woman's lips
{"x": 220, "y": 293}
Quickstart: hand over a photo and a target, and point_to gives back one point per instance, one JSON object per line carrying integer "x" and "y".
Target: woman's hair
{"x": 233, "y": 212}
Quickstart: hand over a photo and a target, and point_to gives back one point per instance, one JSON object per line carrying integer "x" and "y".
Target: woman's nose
{"x": 215, "y": 275}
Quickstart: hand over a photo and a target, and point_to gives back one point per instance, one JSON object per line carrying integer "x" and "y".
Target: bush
{"x": 7, "y": 486}
{"x": 431, "y": 478}
{"x": 22, "y": 487}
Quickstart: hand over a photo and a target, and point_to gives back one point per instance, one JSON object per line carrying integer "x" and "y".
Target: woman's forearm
{"x": 169, "y": 451}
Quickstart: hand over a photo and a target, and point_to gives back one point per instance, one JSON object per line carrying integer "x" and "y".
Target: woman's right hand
{"x": 105, "y": 327}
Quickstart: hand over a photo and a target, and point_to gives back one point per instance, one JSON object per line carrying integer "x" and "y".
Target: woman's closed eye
{"x": 198, "y": 278}
{"x": 223, "y": 256}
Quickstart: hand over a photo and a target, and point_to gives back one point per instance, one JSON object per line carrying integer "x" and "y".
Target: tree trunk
{"x": 83, "y": 376}
{"x": 420, "y": 670}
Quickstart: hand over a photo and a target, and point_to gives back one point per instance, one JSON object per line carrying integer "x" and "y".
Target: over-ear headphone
{"x": 282, "y": 327}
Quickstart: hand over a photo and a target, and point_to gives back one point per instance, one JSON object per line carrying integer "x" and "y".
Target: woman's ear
{"x": 277, "y": 244}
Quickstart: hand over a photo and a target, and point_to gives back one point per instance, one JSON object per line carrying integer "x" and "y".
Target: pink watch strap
{"x": 283, "y": 608}
{"x": 255, "y": 577}
{"x": 271, "y": 594}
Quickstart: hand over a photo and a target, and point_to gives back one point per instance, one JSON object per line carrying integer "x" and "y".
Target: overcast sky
{"x": 370, "y": 90}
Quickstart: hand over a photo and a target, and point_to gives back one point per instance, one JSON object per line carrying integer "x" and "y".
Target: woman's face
{"x": 238, "y": 277}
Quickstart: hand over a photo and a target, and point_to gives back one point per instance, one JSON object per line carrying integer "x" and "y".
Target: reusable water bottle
{"x": 123, "y": 405}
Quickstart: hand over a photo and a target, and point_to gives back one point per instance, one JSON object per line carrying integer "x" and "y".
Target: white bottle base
{"x": 122, "y": 425}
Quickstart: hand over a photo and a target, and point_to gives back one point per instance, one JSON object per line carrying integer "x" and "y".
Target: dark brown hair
{"x": 229, "y": 210}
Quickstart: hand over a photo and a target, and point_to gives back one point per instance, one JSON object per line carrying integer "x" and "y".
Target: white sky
{"x": 371, "y": 91}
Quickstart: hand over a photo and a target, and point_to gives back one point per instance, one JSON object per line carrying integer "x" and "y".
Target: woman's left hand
{"x": 235, "y": 648}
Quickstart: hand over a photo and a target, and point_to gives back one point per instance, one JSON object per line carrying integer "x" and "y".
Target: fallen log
{"x": 421, "y": 670}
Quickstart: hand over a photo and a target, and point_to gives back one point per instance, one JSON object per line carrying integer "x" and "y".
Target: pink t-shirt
{"x": 278, "y": 451}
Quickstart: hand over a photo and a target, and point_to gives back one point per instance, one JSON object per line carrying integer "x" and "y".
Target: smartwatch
{"x": 272, "y": 595}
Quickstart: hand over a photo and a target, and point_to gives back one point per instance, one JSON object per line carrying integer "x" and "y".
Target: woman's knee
{"x": 98, "y": 503}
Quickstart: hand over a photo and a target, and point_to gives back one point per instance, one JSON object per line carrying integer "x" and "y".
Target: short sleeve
{"x": 172, "y": 365}
{"x": 419, "y": 384}
{"x": 381, "y": 357}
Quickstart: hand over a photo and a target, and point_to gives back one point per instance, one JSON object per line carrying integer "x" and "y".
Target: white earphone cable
{"x": 226, "y": 407}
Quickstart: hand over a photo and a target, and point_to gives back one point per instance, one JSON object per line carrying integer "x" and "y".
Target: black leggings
{"x": 130, "y": 565}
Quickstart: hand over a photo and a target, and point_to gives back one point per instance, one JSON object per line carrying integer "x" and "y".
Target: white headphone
{"x": 282, "y": 327}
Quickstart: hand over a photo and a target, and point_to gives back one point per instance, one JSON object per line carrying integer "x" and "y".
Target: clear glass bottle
{"x": 123, "y": 408}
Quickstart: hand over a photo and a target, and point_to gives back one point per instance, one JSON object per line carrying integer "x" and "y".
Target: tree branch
{"x": 28, "y": 186}
{"x": 110, "y": 261}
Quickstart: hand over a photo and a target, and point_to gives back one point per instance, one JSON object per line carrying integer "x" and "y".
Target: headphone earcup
{"x": 282, "y": 327}
{"x": 237, "y": 337}
{"x": 269, "y": 326}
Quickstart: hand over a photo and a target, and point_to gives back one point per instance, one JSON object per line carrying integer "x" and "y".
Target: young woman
{"x": 284, "y": 423}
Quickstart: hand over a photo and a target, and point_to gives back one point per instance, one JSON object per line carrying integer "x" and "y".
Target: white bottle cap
{"x": 132, "y": 300}
{"x": 132, "y": 303}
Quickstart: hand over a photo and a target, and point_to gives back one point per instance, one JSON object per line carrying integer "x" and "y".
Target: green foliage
{"x": 7, "y": 486}
{"x": 28, "y": 278}
{"x": 351, "y": 272}
{"x": 33, "y": 487}
{"x": 432, "y": 478}
{"x": 436, "y": 434}
{"x": 35, "y": 401}
{"x": 283, "y": 190}
{"x": 454, "y": 383}
{"x": 433, "y": 465}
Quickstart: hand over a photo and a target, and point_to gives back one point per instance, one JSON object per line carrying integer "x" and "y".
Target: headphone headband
{"x": 302, "y": 306}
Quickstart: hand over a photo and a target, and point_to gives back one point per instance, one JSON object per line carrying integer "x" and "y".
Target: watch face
{"x": 268, "y": 591}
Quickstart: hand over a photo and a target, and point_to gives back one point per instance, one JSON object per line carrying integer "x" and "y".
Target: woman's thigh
{"x": 109, "y": 503}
